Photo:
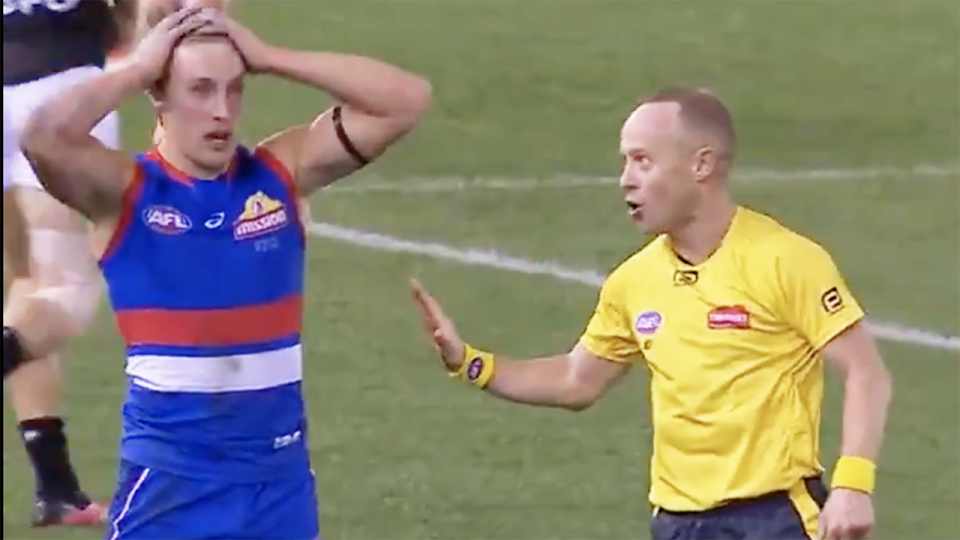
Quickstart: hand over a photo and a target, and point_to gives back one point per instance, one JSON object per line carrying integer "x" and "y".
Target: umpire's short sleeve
{"x": 609, "y": 333}
{"x": 816, "y": 300}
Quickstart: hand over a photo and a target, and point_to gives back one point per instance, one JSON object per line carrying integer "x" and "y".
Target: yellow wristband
{"x": 477, "y": 367}
{"x": 854, "y": 472}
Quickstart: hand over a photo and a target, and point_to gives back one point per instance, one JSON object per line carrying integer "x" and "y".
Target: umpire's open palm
{"x": 439, "y": 327}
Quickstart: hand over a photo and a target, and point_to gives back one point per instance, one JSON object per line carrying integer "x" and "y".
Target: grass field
{"x": 849, "y": 118}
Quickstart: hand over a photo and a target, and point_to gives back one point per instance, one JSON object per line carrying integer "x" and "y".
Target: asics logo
{"x": 215, "y": 221}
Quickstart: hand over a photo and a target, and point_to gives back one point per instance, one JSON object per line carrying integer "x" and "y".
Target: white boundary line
{"x": 447, "y": 184}
{"x": 493, "y": 259}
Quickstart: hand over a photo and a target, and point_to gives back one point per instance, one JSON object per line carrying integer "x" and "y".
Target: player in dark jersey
{"x": 49, "y": 45}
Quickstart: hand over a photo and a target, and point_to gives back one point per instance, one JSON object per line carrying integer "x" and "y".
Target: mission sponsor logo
{"x": 729, "y": 318}
{"x": 261, "y": 215}
{"x": 166, "y": 220}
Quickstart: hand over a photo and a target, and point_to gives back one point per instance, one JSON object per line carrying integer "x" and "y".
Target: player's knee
{"x": 66, "y": 275}
{"x": 77, "y": 300}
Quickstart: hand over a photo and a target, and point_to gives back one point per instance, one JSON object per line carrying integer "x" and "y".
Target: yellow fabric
{"x": 854, "y": 472}
{"x": 477, "y": 367}
{"x": 732, "y": 345}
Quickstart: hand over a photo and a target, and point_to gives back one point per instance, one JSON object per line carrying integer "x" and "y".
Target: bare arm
{"x": 72, "y": 165}
{"x": 124, "y": 24}
{"x": 821, "y": 308}
{"x": 380, "y": 104}
{"x": 848, "y": 511}
{"x": 572, "y": 381}
{"x": 867, "y": 390}
{"x": 151, "y": 12}
{"x": 75, "y": 167}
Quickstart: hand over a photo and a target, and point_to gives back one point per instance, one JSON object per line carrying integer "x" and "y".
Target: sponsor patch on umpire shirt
{"x": 831, "y": 300}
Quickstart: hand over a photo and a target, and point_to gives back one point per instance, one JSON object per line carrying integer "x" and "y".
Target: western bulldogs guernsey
{"x": 206, "y": 279}
{"x": 43, "y": 37}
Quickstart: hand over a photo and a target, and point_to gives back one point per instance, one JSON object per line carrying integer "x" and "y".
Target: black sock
{"x": 46, "y": 445}
{"x": 13, "y": 353}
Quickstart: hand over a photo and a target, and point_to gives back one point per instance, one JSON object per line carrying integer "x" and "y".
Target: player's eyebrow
{"x": 207, "y": 80}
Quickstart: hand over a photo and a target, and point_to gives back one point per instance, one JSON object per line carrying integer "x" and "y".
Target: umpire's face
{"x": 657, "y": 181}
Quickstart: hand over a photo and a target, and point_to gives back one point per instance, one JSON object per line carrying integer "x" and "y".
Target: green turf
{"x": 535, "y": 88}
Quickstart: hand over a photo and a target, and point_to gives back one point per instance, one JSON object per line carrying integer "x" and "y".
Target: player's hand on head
{"x": 217, "y": 4}
{"x": 256, "y": 53}
{"x": 154, "y": 49}
{"x": 439, "y": 327}
{"x": 847, "y": 515}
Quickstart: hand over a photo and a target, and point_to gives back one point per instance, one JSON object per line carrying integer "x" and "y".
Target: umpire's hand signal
{"x": 439, "y": 327}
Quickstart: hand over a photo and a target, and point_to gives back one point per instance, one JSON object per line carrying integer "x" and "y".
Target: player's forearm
{"x": 543, "y": 382}
{"x": 72, "y": 114}
{"x": 71, "y": 164}
{"x": 867, "y": 394}
{"x": 370, "y": 86}
{"x": 125, "y": 25}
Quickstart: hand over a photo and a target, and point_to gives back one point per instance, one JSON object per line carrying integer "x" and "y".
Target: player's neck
{"x": 185, "y": 166}
{"x": 696, "y": 241}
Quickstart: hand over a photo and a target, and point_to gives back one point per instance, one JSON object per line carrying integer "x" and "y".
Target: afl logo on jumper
{"x": 648, "y": 322}
{"x": 261, "y": 215}
{"x": 166, "y": 220}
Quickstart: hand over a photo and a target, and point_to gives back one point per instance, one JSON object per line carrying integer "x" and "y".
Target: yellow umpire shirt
{"x": 732, "y": 346}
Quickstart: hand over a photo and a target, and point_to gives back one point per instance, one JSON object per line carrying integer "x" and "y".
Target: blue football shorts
{"x": 155, "y": 505}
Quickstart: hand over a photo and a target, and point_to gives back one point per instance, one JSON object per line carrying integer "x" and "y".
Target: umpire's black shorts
{"x": 776, "y": 516}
